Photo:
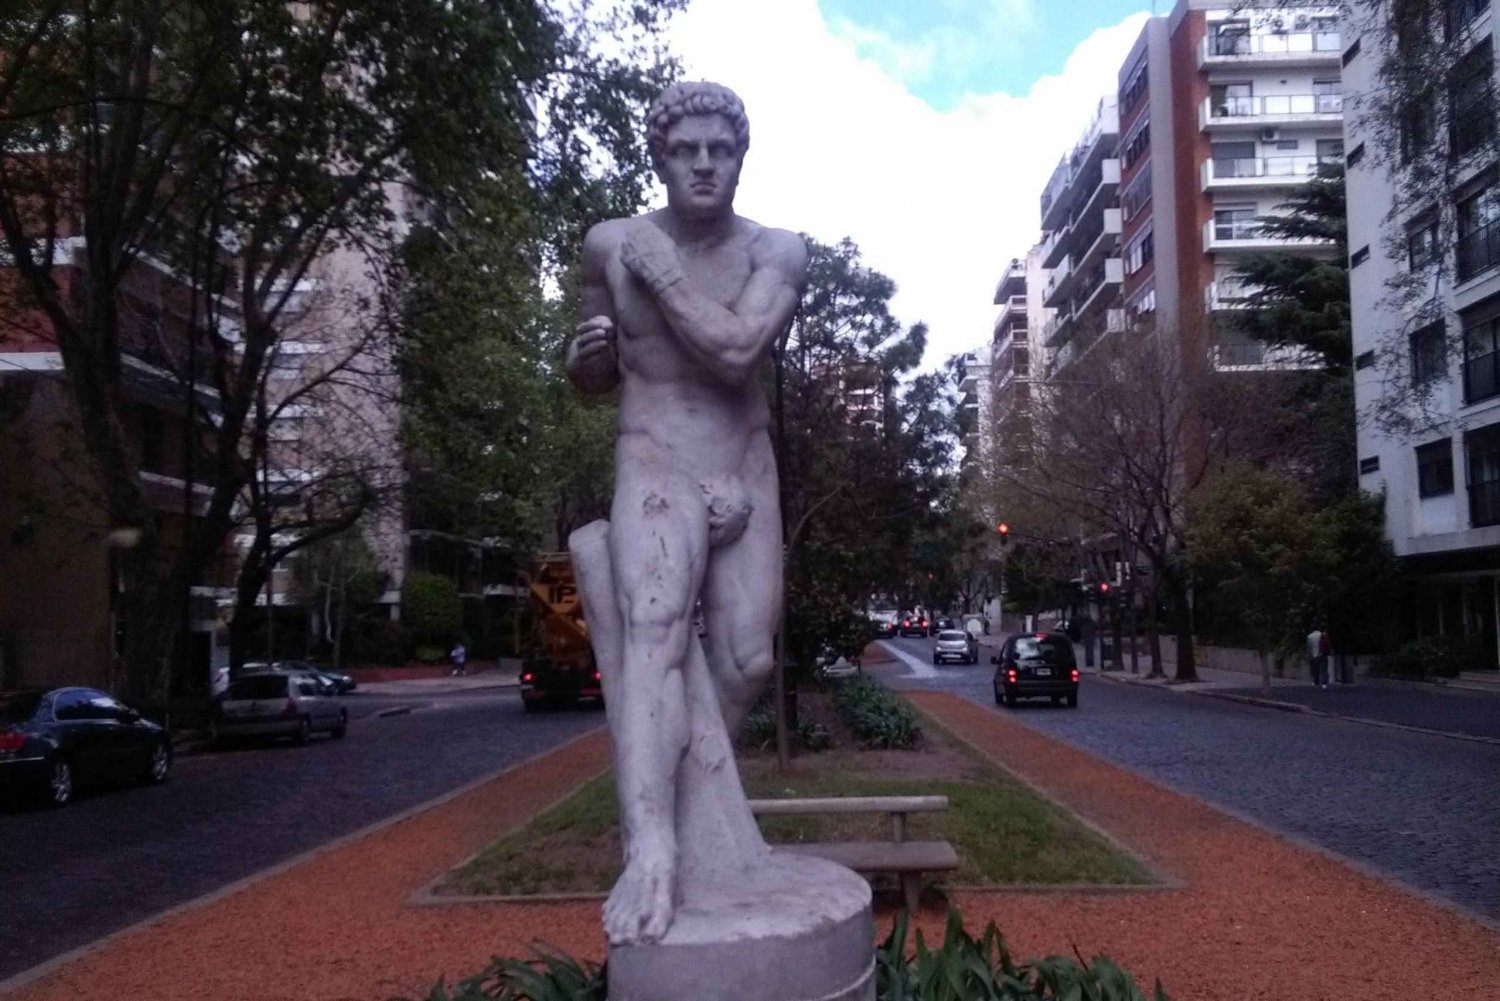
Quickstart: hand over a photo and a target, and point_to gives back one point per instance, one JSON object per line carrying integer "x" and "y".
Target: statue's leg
{"x": 742, "y": 595}
{"x": 657, "y": 547}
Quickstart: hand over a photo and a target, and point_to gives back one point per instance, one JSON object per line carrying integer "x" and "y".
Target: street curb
{"x": 1297, "y": 707}
{"x": 394, "y": 711}
{"x": 48, "y": 966}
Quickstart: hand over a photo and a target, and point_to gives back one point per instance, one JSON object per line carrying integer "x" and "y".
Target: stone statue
{"x": 681, "y": 308}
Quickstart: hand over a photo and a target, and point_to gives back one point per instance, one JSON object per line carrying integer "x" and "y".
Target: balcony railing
{"x": 1479, "y": 250}
{"x": 1274, "y": 106}
{"x": 1252, "y": 167}
{"x": 1280, "y": 44}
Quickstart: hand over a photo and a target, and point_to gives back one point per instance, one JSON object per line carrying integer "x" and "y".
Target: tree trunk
{"x": 1153, "y": 633}
{"x": 1187, "y": 668}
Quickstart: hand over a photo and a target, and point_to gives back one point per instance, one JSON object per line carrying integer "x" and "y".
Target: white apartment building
{"x": 1433, "y": 358}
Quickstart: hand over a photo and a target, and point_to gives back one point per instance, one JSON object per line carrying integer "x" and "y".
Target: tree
{"x": 1296, "y": 299}
{"x": 340, "y": 577}
{"x": 1256, "y": 540}
{"x": 1120, "y": 448}
{"x": 433, "y": 610}
{"x": 232, "y": 147}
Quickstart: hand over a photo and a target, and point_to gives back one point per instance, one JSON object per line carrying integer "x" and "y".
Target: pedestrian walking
{"x": 1317, "y": 657}
{"x": 460, "y": 657}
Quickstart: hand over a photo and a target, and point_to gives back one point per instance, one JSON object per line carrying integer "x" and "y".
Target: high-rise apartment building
{"x": 1424, "y": 239}
{"x": 1223, "y": 108}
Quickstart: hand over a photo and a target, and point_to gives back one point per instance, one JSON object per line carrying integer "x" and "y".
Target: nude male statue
{"x": 681, "y": 308}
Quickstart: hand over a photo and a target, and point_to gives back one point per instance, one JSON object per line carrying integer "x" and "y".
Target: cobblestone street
{"x": 1424, "y": 809}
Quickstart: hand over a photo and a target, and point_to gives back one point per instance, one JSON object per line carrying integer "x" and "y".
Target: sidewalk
{"x": 1250, "y": 914}
{"x": 497, "y": 677}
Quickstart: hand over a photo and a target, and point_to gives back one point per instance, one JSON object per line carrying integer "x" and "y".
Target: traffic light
{"x": 1104, "y": 590}
{"x": 1003, "y": 530}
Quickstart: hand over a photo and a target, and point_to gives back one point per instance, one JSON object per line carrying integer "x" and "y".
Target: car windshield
{"x": 1048, "y": 649}
{"x": 18, "y": 707}
{"x": 262, "y": 686}
{"x": 954, "y": 636}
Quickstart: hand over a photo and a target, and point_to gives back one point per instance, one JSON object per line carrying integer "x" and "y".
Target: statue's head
{"x": 697, "y": 134}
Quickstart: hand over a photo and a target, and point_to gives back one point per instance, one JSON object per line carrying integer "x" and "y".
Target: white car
{"x": 277, "y": 704}
{"x": 955, "y": 644}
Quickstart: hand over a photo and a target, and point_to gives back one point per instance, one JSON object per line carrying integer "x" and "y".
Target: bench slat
{"x": 848, "y": 804}
{"x": 880, "y": 856}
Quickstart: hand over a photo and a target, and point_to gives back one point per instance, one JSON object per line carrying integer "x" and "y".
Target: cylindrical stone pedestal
{"x": 795, "y": 929}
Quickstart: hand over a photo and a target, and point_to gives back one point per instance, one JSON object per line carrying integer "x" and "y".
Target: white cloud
{"x": 966, "y": 34}
{"x": 939, "y": 201}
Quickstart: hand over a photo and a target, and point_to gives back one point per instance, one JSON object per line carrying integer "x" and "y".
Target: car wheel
{"x": 304, "y": 730}
{"x": 1057, "y": 700}
{"x": 60, "y": 782}
{"x": 343, "y": 726}
{"x": 1073, "y": 701}
{"x": 159, "y": 764}
{"x": 998, "y": 699}
{"x": 935, "y": 658}
{"x": 1010, "y": 700}
{"x": 528, "y": 706}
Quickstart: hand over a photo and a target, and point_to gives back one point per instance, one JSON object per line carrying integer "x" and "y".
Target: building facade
{"x": 1424, "y": 239}
{"x": 1223, "y": 108}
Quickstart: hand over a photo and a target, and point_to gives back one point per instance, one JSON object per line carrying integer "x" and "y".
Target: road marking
{"x": 919, "y": 669}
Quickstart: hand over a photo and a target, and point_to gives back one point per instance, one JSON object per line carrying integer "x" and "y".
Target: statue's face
{"x": 700, "y": 166}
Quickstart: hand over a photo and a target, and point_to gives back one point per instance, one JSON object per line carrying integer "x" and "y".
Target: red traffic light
{"x": 1003, "y": 528}
{"x": 1104, "y": 588}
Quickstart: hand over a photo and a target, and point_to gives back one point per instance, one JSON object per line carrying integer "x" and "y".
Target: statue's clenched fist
{"x": 650, "y": 255}
{"x": 592, "y": 360}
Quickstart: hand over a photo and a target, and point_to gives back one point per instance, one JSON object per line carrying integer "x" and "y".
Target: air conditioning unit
{"x": 1270, "y": 135}
{"x": 1301, "y": 22}
{"x": 1277, "y": 25}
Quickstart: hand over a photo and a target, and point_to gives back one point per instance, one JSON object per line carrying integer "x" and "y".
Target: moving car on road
{"x": 55, "y": 741}
{"x": 277, "y": 704}
{"x": 955, "y": 644}
{"x": 913, "y": 624}
{"x": 1036, "y": 665}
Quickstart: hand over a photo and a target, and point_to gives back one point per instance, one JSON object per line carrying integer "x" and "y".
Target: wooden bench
{"x": 907, "y": 859}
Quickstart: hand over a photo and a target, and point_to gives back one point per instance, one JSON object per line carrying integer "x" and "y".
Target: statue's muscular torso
{"x": 666, "y": 394}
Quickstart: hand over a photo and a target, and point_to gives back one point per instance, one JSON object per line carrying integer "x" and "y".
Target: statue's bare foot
{"x": 639, "y": 909}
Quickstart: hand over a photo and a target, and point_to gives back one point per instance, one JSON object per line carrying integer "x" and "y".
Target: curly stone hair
{"x": 700, "y": 98}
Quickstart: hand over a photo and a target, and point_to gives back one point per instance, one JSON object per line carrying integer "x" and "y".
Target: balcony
{"x": 1225, "y": 295}
{"x": 1055, "y": 196}
{"x": 1478, "y": 251}
{"x": 1100, "y": 286}
{"x": 1059, "y": 284}
{"x": 1253, "y": 356}
{"x": 1269, "y": 111}
{"x": 1055, "y": 245}
{"x": 1012, "y": 316}
{"x": 1291, "y": 48}
{"x": 1100, "y": 191}
{"x": 1257, "y": 173}
{"x": 1105, "y": 241}
{"x": 1245, "y": 234}
{"x": 1057, "y": 329}
{"x": 1012, "y": 283}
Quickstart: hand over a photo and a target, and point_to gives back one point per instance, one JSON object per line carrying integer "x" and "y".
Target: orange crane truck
{"x": 559, "y": 666}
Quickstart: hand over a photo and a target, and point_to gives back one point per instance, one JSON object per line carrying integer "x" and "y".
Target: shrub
{"x": 962, "y": 969}
{"x": 759, "y": 730}
{"x": 432, "y": 609}
{"x": 1430, "y": 656}
{"x": 877, "y": 717}
{"x": 383, "y": 641}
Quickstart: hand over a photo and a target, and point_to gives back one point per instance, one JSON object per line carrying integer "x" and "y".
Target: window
{"x": 1047, "y": 649}
{"x": 1416, "y": 127}
{"x": 1435, "y": 469}
{"x": 1140, "y": 252}
{"x": 1482, "y": 455}
{"x": 1429, "y": 353}
{"x": 1231, "y": 38}
{"x": 1235, "y": 223}
{"x": 1478, "y": 247}
{"x": 1327, "y": 97}
{"x": 1135, "y": 87}
{"x": 1137, "y": 144}
{"x": 1355, "y": 155}
{"x": 1482, "y": 361}
{"x": 1236, "y": 159}
{"x": 1330, "y": 150}
{"x": 72, "y": 705}
{"x": 1459, "y": 13}
{"x": 1360, "y": 256}
{"x": 1365, "y": 359}
{"x": 1471, "y": 97}
{"x": 1351, "y": 52}
{"x": 258, "y": 686}
{"x": 1137, "y": 195}
{"x": 1370, "y": 464}
{"x": 153, "y": 441}
{"x": 1422, "y": 244}
{"x": 1231, "y": 100}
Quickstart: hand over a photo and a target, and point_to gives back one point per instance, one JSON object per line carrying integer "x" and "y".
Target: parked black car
{"x": 1036, "y": 665}
{"x": 54, "y": 742}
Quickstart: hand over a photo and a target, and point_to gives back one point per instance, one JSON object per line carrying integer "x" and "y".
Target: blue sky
{"x": 944, "y": 49}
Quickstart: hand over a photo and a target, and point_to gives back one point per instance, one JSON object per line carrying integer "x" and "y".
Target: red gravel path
{"x": 1258, "y": 917}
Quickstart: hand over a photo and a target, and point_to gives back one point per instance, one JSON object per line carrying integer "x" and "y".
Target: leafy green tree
{"x": 340, "y": 578}
{"x": 433, "y": 610}
{"x": 240, "y": 142}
